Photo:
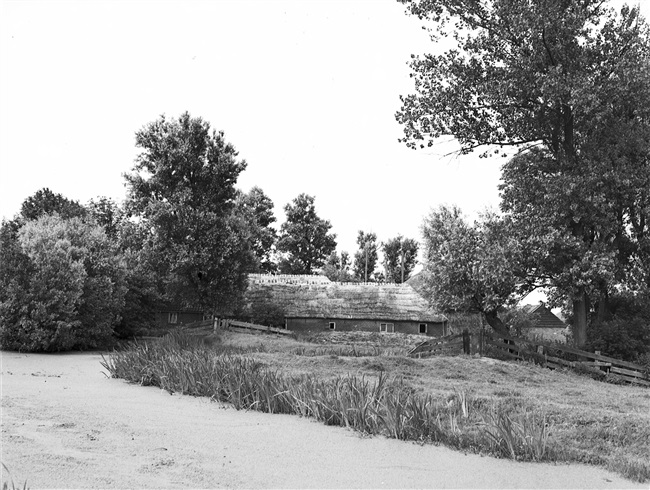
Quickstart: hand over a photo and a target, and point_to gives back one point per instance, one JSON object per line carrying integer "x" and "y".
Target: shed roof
{"x": 544, "y": 317}
{"x": 326, "y": 299}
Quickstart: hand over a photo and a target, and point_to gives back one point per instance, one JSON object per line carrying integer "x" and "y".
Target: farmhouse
{"x": 545, "y": 324}
{"x": 314, "y": 303}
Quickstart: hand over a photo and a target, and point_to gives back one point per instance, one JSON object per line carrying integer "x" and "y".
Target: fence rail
{"x": 542, "y": 353}
{"x": 457, "y": 344}
{"x": 226, "y": 324}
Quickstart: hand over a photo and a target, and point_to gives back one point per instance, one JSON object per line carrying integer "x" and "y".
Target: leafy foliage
{"x": 366, "y": 258}
{"x": 304, "y": 238}
{"x": 44, "y": 201}
{"x": 182, "y": 190}
{"x": 470, "y": 269}
{"x": 338, "y": 268}
{"x": 626, "y": 333}
{"x": 107, "y": 214}
{"x": 257, "y": 211}
{"x": 62, "y": 285}
{"x": 400, "y": 255}
{"x": 567, "y": 83}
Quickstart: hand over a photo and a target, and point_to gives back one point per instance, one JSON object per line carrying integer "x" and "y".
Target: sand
{"x": 66, "y": 425}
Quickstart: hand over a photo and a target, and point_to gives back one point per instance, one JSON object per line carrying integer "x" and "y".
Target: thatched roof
{"x": 324, "y": 299}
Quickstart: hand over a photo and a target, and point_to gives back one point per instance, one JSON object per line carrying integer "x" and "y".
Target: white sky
{"x": 306, "y": 91}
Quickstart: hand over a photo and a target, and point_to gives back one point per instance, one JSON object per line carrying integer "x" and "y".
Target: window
{"x": 423, "y": 328}
{"x": 332, "y": 326}
{"x": 387, "y": 327}
{"x": 172, "y": 318}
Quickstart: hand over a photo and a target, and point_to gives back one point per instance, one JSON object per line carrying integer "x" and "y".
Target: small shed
{"x": 173, "y": 315}
{"x": 314, "y": 303}
{"x": 545, "y": 323}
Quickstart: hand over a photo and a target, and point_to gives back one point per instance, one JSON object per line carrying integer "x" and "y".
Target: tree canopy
{"x": 366, "y": 258}
{"x": 305, "y": 239}
{"x": 257, "y": 211}
{"x": 337, "y": 268}
{"x": 182, "y": 188}
{"x": 44, "y": 201}
{"x": 61, "y": 285}
{"x": 400, "y": 257}
{"x": 566, "y": 83}
{"x": 470, "y": 268}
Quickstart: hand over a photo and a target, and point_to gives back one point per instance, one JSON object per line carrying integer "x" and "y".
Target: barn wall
{"x": 348, "y": 325}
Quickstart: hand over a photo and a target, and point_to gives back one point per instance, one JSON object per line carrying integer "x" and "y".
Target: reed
{"x": 384, "y": 406}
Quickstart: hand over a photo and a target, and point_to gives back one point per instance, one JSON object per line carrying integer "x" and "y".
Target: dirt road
{"x": 66, "y": 425}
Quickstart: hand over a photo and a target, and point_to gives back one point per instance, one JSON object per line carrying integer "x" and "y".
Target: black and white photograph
{"x": 324, "y": 244}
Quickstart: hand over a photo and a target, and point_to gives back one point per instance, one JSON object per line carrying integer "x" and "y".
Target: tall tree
{"x": 257, "y": 210}
{"x": 529, "y": 74}
{"x": 400, "y": 258}
{"x": 366, "y": 258}
{"x": 183, "y": 189}
{"x": 470, "y": 269}
{"x": 304, "y": 239}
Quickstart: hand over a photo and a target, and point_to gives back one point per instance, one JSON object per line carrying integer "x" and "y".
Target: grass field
{"x": 365, "y": 381}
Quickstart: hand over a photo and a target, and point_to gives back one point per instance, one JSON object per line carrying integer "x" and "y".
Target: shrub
{"x": 626, "y": 335}
{"x": 61, "y": 285}
{"x": 622, "y": 338}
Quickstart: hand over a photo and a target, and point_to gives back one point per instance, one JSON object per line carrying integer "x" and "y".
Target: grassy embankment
{"x": 504, "y": 409}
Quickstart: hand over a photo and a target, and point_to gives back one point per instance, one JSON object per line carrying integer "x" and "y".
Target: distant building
{"x": 546, "y": 324}
{"x": 175, "y": 315}
{"x": 314, "y": 303}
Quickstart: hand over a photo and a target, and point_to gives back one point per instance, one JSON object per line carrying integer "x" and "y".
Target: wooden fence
{"x": 451, "y": 344}
{"x": 552, "y": 356}
{"x": 237, "y": 326}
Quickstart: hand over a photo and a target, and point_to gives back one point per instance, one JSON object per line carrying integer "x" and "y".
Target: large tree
{"x": 182, "y": 189}
{"x": 305, "y": 239}
{"x": 366, "y": 258}
{"x": 470, "y": 268}
{"x": 400, "y": 258}
{"x": 552, "y": 75}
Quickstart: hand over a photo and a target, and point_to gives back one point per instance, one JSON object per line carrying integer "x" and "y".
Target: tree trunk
{"x": 603, "y": 313}
{"x": 579, "y": 328}
{"x": 495, "y": 322}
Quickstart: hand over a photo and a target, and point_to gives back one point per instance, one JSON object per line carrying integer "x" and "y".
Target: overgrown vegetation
{"x": 459, "y": 413}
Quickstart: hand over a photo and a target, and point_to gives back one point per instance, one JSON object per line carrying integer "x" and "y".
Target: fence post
{"x": 466, "y": 343}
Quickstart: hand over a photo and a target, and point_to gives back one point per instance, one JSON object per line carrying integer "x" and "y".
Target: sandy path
{"x": 65, "y": 425}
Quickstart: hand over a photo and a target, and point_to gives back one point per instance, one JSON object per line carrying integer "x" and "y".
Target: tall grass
{"x": 10, "y": 485}
{"x": 386, "y": 406}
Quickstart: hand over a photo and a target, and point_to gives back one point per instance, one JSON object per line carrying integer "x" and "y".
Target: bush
{"x": 267, "y": 313}
{"x": 626, "y": 335}
{"x": 61, "y": 285}
{"x": 622, "y": 338}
